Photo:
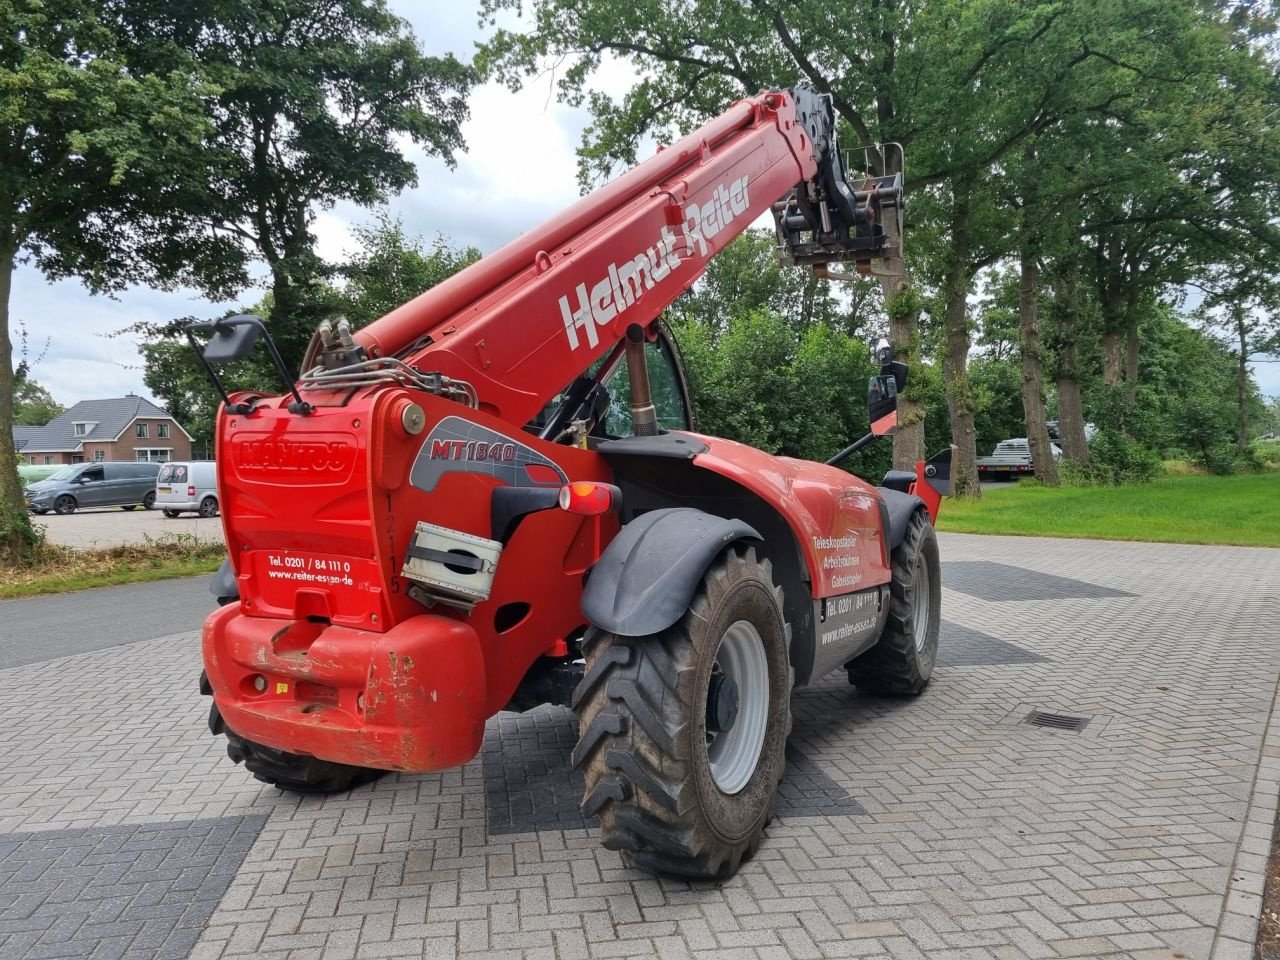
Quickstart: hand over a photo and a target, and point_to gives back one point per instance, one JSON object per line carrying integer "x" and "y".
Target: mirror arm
{"x": 850, "y": 450}
{"x": 298, "y": 405}
{"x": 235, "y": 408}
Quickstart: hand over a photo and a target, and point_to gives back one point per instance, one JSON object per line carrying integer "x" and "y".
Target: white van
{"x": 188, "y": 486}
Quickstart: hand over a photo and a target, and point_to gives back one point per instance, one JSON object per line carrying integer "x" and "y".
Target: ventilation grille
{"x": 1056, "y": 721}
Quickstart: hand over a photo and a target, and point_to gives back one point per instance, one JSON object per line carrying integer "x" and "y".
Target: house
{"x": 120, "y": 428}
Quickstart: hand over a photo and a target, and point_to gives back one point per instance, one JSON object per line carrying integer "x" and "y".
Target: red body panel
{"x": 834, "y": 516}
{"x": 327, "y": 653}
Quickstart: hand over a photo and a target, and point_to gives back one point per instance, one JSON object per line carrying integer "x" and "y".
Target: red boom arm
{"x": 525, "y": 321}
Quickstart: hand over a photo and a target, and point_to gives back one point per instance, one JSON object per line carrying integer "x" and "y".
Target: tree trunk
{"x": 908, "y": 442}
{"x": 16, "y": 535}
{"x": 1112, "y": 358}
{"x": 1033, "y": 368}
{"x": 955, "y": 362}
{"x": 1242, "y": 386}
{"x": 1075, "y": 447}
{"x": 1131, "y": 359}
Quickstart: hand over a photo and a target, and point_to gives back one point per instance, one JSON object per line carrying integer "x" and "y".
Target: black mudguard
{"x": 899, "y": 507}
{"x": 647, "y": 576}
{"x": 223, "y": 584}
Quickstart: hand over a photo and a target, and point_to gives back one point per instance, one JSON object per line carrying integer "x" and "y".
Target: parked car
{"x": 188, "y": 486}
{"x": 95, "y": 485}
{"x": 1010, "y": 459}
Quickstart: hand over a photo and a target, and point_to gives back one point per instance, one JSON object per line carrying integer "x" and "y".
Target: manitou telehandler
{"x": 493, "y": 498}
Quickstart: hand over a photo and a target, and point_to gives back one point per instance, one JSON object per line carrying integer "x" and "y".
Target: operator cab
{"x": 597, "y": 406}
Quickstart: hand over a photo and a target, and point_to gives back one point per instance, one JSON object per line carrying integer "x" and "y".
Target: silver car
{"x": 188, "y": 486}
{"x": 95, "y": 485}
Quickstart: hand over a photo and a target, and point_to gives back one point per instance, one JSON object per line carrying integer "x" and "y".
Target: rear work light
{"x": 587, "y": 498}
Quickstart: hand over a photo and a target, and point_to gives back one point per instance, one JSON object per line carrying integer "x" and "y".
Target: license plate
{"x": 1004, "y": 468}
{"x": 165, "y": 489}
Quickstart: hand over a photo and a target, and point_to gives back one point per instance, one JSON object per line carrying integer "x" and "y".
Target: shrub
{"x": 1113, "y": 461}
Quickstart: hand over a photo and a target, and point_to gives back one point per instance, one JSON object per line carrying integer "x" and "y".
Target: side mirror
{"x": 233, "y": 338}
{"x": 882, "y": 404}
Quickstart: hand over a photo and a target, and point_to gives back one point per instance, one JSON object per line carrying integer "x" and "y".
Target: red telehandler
{"x": 492, "y": 498}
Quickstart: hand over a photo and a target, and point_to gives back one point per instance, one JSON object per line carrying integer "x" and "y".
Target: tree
{"x": 92, "y": 151}
{"x": 315, "y": 100}
{"x": 33, "y": 405}
{"x": 746, "y": 278}
{"x": 391, "y": 268}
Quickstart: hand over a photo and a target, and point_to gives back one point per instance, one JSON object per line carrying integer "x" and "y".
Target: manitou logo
{"x": 625, "y": 283}
{"x": 259, "y": 457}
{"x": 472, "y": 450}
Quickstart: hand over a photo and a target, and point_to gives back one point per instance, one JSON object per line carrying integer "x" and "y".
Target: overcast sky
{"x": 519, "y": 169}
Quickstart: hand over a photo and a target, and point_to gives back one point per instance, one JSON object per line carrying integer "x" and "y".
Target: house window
{"x": 48, "y": 460}
{"x": 140, "y": 431}
{"x": 78, "y": 458}
{"x": 80, "y": 429}
{"x": 162, "y": 431}
{"x": 99, "y": 456}
{"x": 153, "y": 454}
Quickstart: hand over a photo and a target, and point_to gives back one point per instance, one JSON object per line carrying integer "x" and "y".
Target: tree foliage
{"x": 93, "y": 149}
{"x": 314, "y": 103}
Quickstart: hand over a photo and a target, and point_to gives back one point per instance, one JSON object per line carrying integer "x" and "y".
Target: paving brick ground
{"x": 943, "y": 827}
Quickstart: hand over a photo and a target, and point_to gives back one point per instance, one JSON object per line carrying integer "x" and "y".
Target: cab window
{"x": 664, "y": 384}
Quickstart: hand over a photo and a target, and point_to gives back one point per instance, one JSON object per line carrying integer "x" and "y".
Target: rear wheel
{"x": 286, "y": 771}
{"x": 683, "y": 733}
{"x": 171, "y": 514}
{"x": 40, "y": 512}
{"x": 129, "y": 506}
{"x": 209, "y": 507}
{"x": 902, "y": 662}
{"x": 149, "y": 500}
{"x": 64, "y": 504}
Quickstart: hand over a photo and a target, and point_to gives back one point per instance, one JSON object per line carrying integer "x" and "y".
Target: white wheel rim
{"x": 734, "y": 753}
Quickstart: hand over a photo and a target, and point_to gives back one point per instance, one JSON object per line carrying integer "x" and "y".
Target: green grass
{"x": 1242, "y": 510}
{"x": 62, "y": 569}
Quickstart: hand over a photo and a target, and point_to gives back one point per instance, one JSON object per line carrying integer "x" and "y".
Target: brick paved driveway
{"x": 940, "y": 827}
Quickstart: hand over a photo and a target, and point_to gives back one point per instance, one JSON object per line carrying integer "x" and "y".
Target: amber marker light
{"x": 587, "y": 498}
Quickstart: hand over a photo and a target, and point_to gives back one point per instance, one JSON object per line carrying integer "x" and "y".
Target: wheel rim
{"x": 734, "y": 753}
{"x": 920, "y": 604}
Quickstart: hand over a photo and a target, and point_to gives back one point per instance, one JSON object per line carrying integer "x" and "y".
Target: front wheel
{"x": 64, "y": 504}
{"x": 902, "y": 662}
{"x": 683, "y": 734}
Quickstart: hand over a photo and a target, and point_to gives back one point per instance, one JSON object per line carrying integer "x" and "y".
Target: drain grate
{"x": 1056, "y": 721}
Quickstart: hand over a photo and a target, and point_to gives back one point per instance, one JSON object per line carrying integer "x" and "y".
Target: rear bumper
{"x": 177, "y": 504}
{"x": 411, "y": 699}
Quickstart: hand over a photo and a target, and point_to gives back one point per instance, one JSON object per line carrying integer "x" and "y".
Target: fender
{"x": 223, "y": 584}
{"x": 899, "y": 507}
{"x": 647, "y": 576}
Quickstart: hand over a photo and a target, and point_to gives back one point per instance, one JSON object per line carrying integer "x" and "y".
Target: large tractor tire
{"x": 287, "y": 771}
{"x": 901, "y": 663}
{"x": 683, "y": 734}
